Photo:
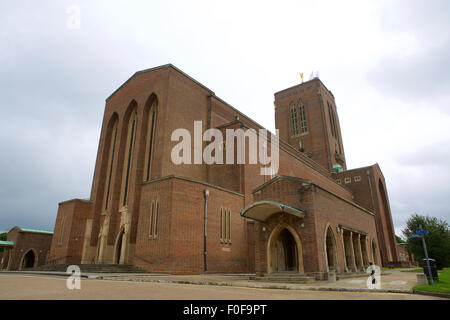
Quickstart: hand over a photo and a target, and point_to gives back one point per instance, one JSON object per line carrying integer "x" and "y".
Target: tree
{"x": 437, "y": 240}
{"x": 399, "y": 240}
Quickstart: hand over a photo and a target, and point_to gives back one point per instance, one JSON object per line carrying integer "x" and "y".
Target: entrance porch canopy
{"x": 262, "y": 210}
{"x": 6, "y": 244}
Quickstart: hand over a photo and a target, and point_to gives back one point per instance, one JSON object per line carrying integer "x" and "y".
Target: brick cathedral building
{"x": 312, "y": 217}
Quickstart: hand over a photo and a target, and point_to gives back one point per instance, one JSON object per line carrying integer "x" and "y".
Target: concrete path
{"x": 392, "y": 281}
{"x": 41, "y": 287}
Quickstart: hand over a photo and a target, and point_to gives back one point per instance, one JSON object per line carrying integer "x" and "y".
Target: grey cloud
{"x": 423, "y": 75}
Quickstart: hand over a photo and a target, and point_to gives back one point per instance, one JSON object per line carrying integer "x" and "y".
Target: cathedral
{"x": 311, "y": 216}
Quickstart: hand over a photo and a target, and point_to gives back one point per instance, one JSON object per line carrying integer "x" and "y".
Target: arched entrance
{"x": 330, "y": 249}
{"x": 284, "y": 251}
{"x": 28, "y": 260}
{"x": 119, "y": 247}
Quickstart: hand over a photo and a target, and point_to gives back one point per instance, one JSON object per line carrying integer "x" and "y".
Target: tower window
{"x": 303, "y": 123}
{"x": 348, "y": 180}
{"x": 357, "y": 178}
{"x": 332, "y": 122}
{"x": 294, "y": 120}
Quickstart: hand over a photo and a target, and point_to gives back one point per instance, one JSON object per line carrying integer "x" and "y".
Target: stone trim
{"x": 194, "y": 181}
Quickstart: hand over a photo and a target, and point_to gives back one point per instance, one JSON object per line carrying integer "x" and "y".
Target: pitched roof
{"x": 35, "y": 230}
{"x": 6, "y": 243}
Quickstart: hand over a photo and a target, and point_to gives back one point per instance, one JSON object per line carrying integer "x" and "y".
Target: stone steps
{"x": 351, "y": 275}
{"x": 286, "y": 277}
{"x": 91, "y": 268}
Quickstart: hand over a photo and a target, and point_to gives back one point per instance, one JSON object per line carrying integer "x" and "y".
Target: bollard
{"x": 421, "y": 279}
{"x": 331, "y": 276}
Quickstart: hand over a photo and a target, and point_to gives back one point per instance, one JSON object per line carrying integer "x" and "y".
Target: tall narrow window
{"x": 150, "y": 233}
{"x": 129, "y": 156}
{"x": 156, "y": 219}
{"x": 150, "y": 140}
{"x": 229, "y": 228}
{"x": 61, "y": 231}
{"x": 221, "y": 224}
{"x": 225, "y": 226}
{"x": 153, "y": 229}
{"x": 332, "y": 123}
{"x": 303, "y": 123}
{"x": 294, "y": 120}
{"x": 112, "y": 149}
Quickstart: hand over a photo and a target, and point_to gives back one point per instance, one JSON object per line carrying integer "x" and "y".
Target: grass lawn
{"x": 443, "y": 285}
{"x": 419, "y": 270}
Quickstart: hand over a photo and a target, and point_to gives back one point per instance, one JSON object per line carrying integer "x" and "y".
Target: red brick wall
{"x": 69, "y": 249}
{"x": 363, "y": 192}
{"x": 25, "y": 241}
{"x": 179, "y": 245}
{"x": 322, "y": 208}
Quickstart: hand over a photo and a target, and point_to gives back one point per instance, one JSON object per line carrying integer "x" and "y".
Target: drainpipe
{"x": 205, "y": 195}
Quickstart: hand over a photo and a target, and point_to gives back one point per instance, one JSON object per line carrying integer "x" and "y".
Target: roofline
{"x": 354, "y": 169}
{"x": 7, "y": 243}
{"x": 367, "y": 167}
{"x": 34, "y": 230}
{"x": 284, "y": 208}
{"x": 169, "y": 65}
{"x": 282, "y": 177}
{"x": 76, "y": 199}
{"x": 304, "y": 83}
{"x": 193, "y": 181}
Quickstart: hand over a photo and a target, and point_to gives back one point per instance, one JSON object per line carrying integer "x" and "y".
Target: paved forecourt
{"x": 40, "y": 287}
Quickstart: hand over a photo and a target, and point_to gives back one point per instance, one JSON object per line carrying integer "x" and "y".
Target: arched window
{"x": 131, "y": 137}
{"x": 303, "y": 123}
{"x": 150, "y": 140}
{"x": 110, "y": 162}
{"x": 294, "y": 120}
{"x": 332, "y": 122}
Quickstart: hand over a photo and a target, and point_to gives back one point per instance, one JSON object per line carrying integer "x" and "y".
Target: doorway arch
{"x": 330, "y": 249}
{"x": 29, "y": 260}
{"x": 119, "y": 247}
{"x": 284, "y": 250}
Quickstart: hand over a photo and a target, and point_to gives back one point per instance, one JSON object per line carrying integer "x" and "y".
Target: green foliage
{"x": 443, "y": 285}
{"x": 399, "y": 240}
{"x": 418, "y": 270}
{"x": 437, "y": 240}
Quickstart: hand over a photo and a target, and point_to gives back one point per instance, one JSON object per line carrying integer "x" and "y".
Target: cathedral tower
{"x": 307, "y": 119}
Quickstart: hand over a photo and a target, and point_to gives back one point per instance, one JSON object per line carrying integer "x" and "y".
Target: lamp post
{"x": 426, "y": 257}
{"x": 205, "y": 195}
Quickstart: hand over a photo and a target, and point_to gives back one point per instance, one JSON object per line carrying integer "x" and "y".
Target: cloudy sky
{"x": 387, "y": 63}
